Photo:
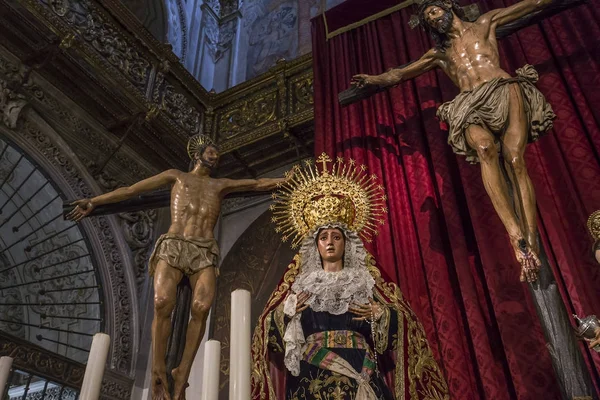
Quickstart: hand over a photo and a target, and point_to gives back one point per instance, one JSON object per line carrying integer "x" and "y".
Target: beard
{"x": 445, "y": 22}
{"x": 194, "y": 163}
{"x": 207, "y": 164}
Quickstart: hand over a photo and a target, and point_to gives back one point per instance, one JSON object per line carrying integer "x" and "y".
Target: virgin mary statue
{"x": 334, "y": 329}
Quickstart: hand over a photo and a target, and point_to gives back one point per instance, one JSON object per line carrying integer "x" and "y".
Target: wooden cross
{"x": 355, "y": 94}
{"x": 158, "y": 199}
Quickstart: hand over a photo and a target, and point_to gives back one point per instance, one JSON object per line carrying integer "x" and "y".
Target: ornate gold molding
{"x": 270, "y": 104}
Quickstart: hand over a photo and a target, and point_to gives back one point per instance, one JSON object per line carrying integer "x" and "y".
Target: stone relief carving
{"x": 175, "y": 104}
{"x": 114, "y": 390}
{"x": 47, "y": 264}
{"x": 104, "y": 37}
{"x": 151, "y": 14}
{"x": 218, "y": 35}
{"x": 139, "y": 229}
{"x": 272, "y": 36}
{"x": 252, "y": 10}
{"x": 10, "y": 295}
{"x": 120, "y": 52}
{"x": 229, "y": 7}
{"x": 15, "y": 74}
{"x": 214, "y": 5}
{"x": 223, "y": 8}
{"x": 11, "y": 104}
{"x": 177, "y": 34}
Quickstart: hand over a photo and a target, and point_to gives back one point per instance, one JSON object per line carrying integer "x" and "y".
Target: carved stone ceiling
{"x": 130, "y": 90}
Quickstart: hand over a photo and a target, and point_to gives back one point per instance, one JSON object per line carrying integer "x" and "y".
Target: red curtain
{"x": 443, "y": 243}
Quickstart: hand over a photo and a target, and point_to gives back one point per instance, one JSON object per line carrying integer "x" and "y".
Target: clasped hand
{"x": 366, "y": 312}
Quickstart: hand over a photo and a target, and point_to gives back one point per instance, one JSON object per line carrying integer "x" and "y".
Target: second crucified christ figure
{"x": 493, "y": 113}
{"x": 188, "y": 248}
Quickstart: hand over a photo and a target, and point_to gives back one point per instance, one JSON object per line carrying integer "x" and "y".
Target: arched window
{"x": 50, "y": 291}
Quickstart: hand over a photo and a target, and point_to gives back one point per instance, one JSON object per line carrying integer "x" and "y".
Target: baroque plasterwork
{"x": 110, "y": 246}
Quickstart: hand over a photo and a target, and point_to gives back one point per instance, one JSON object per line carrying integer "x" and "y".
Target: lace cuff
{"x": 294, "y": 342}
{"x": 289, "y": 307}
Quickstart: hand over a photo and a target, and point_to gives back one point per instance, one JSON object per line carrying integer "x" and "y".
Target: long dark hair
{"x": 440, "y": 39}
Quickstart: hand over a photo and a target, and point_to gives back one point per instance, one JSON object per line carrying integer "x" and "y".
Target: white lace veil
{"x": 334, "y": 291}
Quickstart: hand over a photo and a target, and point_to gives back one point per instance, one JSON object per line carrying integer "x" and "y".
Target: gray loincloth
{"x": 187, "y": 255}
{"x": 487, "y": 105}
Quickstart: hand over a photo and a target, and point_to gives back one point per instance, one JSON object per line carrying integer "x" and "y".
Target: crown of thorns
{"x": 470, "y": 12}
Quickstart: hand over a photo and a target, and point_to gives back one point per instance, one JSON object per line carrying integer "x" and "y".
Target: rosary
{"x": 372, "y": 323}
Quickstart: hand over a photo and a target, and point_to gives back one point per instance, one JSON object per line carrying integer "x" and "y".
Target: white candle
{"x": 5, "y": 365}
{"x": 211, "y": 370}
{"x": 239, "y": 350}
{"x": 94, "y": 370}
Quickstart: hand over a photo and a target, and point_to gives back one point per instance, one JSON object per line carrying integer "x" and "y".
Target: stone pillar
{"x": 220, "y": 21}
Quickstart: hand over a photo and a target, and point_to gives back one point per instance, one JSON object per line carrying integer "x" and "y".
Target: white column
{"x": 211, "y": 371}
{"x": 5, "y": 365}
{"x": 239, "y": 350}
{"x": 94, "y": 370}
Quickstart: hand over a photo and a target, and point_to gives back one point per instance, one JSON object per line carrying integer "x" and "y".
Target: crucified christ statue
{"x": 188, "y": 248}
{"x": 494, "y": 112}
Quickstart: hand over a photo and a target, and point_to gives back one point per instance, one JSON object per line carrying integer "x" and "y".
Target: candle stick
{"x": 239, "y": 350}
{"x": 5, "y": 365}
{"x": 94, "y": 370}
{"x": 211, "y": 370}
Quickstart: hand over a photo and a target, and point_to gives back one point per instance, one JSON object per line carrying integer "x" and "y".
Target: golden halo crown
{"x": 196, "y": 142}
{"x": 593, "y": 224}
{"x": 340, "y": 193}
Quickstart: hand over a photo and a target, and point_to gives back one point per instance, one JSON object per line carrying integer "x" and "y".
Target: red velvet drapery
{"x": 443, "y": 242}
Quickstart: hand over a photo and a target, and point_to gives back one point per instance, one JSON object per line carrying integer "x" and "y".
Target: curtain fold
{"x": 443, "y": 242}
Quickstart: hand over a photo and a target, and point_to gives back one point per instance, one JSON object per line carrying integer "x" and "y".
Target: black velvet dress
{"x": 346, "y": 338}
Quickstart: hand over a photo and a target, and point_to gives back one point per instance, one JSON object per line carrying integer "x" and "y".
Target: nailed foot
{"x": 179, "y": 384}
{"x": 159, "y": 389}
{"x": 530, "y": 262}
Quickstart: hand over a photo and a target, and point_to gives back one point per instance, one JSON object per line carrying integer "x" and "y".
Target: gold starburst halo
{"x": 593, "y": 224}
{"x": 196, "y": 142}
{"x": 337, "y": 192}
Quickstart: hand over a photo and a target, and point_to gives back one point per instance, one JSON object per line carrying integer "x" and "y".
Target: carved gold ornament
{"x": 196, "y": 142}
{"x": 312, "y": 198}
{"x": 593, "y": 224}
